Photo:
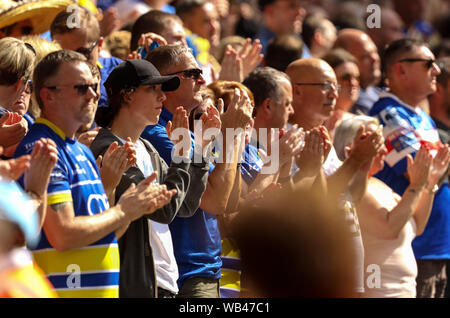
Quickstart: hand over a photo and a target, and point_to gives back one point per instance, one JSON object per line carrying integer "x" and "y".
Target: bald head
{"x": 315, "y": 91}
{"x": 350, "y": 38}
{"x": 361, "y": 46}
{"x": 303, "y": 70}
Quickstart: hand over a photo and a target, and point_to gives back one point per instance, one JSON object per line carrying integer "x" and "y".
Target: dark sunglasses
{"x": 81, "y": 88}
{"x": 193, "y": 73}
{"x": 31, "y": 48}
{"x": 429, "y": 62}
{"x": 87, "y": 51}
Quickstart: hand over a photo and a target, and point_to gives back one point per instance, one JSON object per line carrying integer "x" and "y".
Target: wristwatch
{"x": 434, "y": 190}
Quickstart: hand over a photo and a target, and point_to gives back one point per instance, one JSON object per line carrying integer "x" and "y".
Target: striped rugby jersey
{"x": 90, "y": 271}
{"x": 405, "y": 129}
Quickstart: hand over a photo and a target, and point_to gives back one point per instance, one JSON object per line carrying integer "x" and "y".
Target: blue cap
{"x": 16, "y": 206}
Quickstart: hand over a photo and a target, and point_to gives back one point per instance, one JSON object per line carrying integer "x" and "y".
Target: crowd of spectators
{"x": 216, "y": 148}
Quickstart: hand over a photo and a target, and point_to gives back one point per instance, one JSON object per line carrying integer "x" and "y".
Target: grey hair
{"x": 264, "y": 82}
{"x": 167, "y": 56}
{"x": 346, "y": 131}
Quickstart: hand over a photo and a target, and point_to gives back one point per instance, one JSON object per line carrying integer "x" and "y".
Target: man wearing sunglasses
{"x": 86, "y": 40}
{"x": 412, "y": 73}
{"x": 196, "y": 240}
{"x": 80, "y": 228}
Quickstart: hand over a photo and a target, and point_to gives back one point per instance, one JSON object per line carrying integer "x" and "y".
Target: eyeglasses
{"x": 193, "y": 73}
{"x": 327, "y": 86}
{"x": 28, "y": 87}
{"x": 81, "y": 88}
{"x": 429, "y": 62}
{"x": 87, "y": 51}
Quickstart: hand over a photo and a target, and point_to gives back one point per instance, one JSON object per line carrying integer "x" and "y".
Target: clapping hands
{"x": 43, "y": 159}
{"x": 113, "y": 164}
{"x": 366, "y": 145}
{"x": 237, "y": 64}
{"x": 239, "y": 111}
{"x": 178, "y": 132}
{"x": 145, "y": 198}
{"x": 13, "y": 128}
{"x": 317, "y": 145}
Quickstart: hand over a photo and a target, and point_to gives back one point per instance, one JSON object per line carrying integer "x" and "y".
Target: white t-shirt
{"x": 166, "y": 268}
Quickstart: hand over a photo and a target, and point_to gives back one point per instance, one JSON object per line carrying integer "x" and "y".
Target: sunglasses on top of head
{"x": 87, "y": 51}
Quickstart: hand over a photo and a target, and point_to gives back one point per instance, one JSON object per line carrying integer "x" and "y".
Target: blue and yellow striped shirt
{"x": 91, "y": 271}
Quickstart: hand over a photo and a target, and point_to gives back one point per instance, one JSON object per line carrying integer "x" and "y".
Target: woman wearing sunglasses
{"x": 135, "y": 91}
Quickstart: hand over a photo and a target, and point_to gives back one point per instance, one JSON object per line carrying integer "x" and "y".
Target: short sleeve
{"x": 400, "y": 137}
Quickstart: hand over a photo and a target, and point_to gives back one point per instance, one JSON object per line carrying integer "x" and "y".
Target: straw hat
{"x": 40, "y": 12}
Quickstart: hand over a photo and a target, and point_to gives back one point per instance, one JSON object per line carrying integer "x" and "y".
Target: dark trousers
{"x": 431, "y": 278}
{"x": 447, "y": 288}
{"x": 200, "y": 287}
{"x": 164, "y": 293}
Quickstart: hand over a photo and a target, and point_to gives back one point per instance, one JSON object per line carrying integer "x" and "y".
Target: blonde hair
{"x": 225, "y": 90}
{"x": 118, "y": 44}
{"x": 42, "y": 48}
{"x": 16, "y": 61}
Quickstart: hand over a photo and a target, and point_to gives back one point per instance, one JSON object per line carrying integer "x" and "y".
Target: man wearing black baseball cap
{"x": 135, "y": 92}
{"x": 133, "y": 73}
{"x": 81, "y": 225}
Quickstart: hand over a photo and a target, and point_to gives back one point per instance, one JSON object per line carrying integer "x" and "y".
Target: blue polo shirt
{"x": 29, "y": 118}
{"x": 106, "y": 65}
{"x": 196, "y": 240}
